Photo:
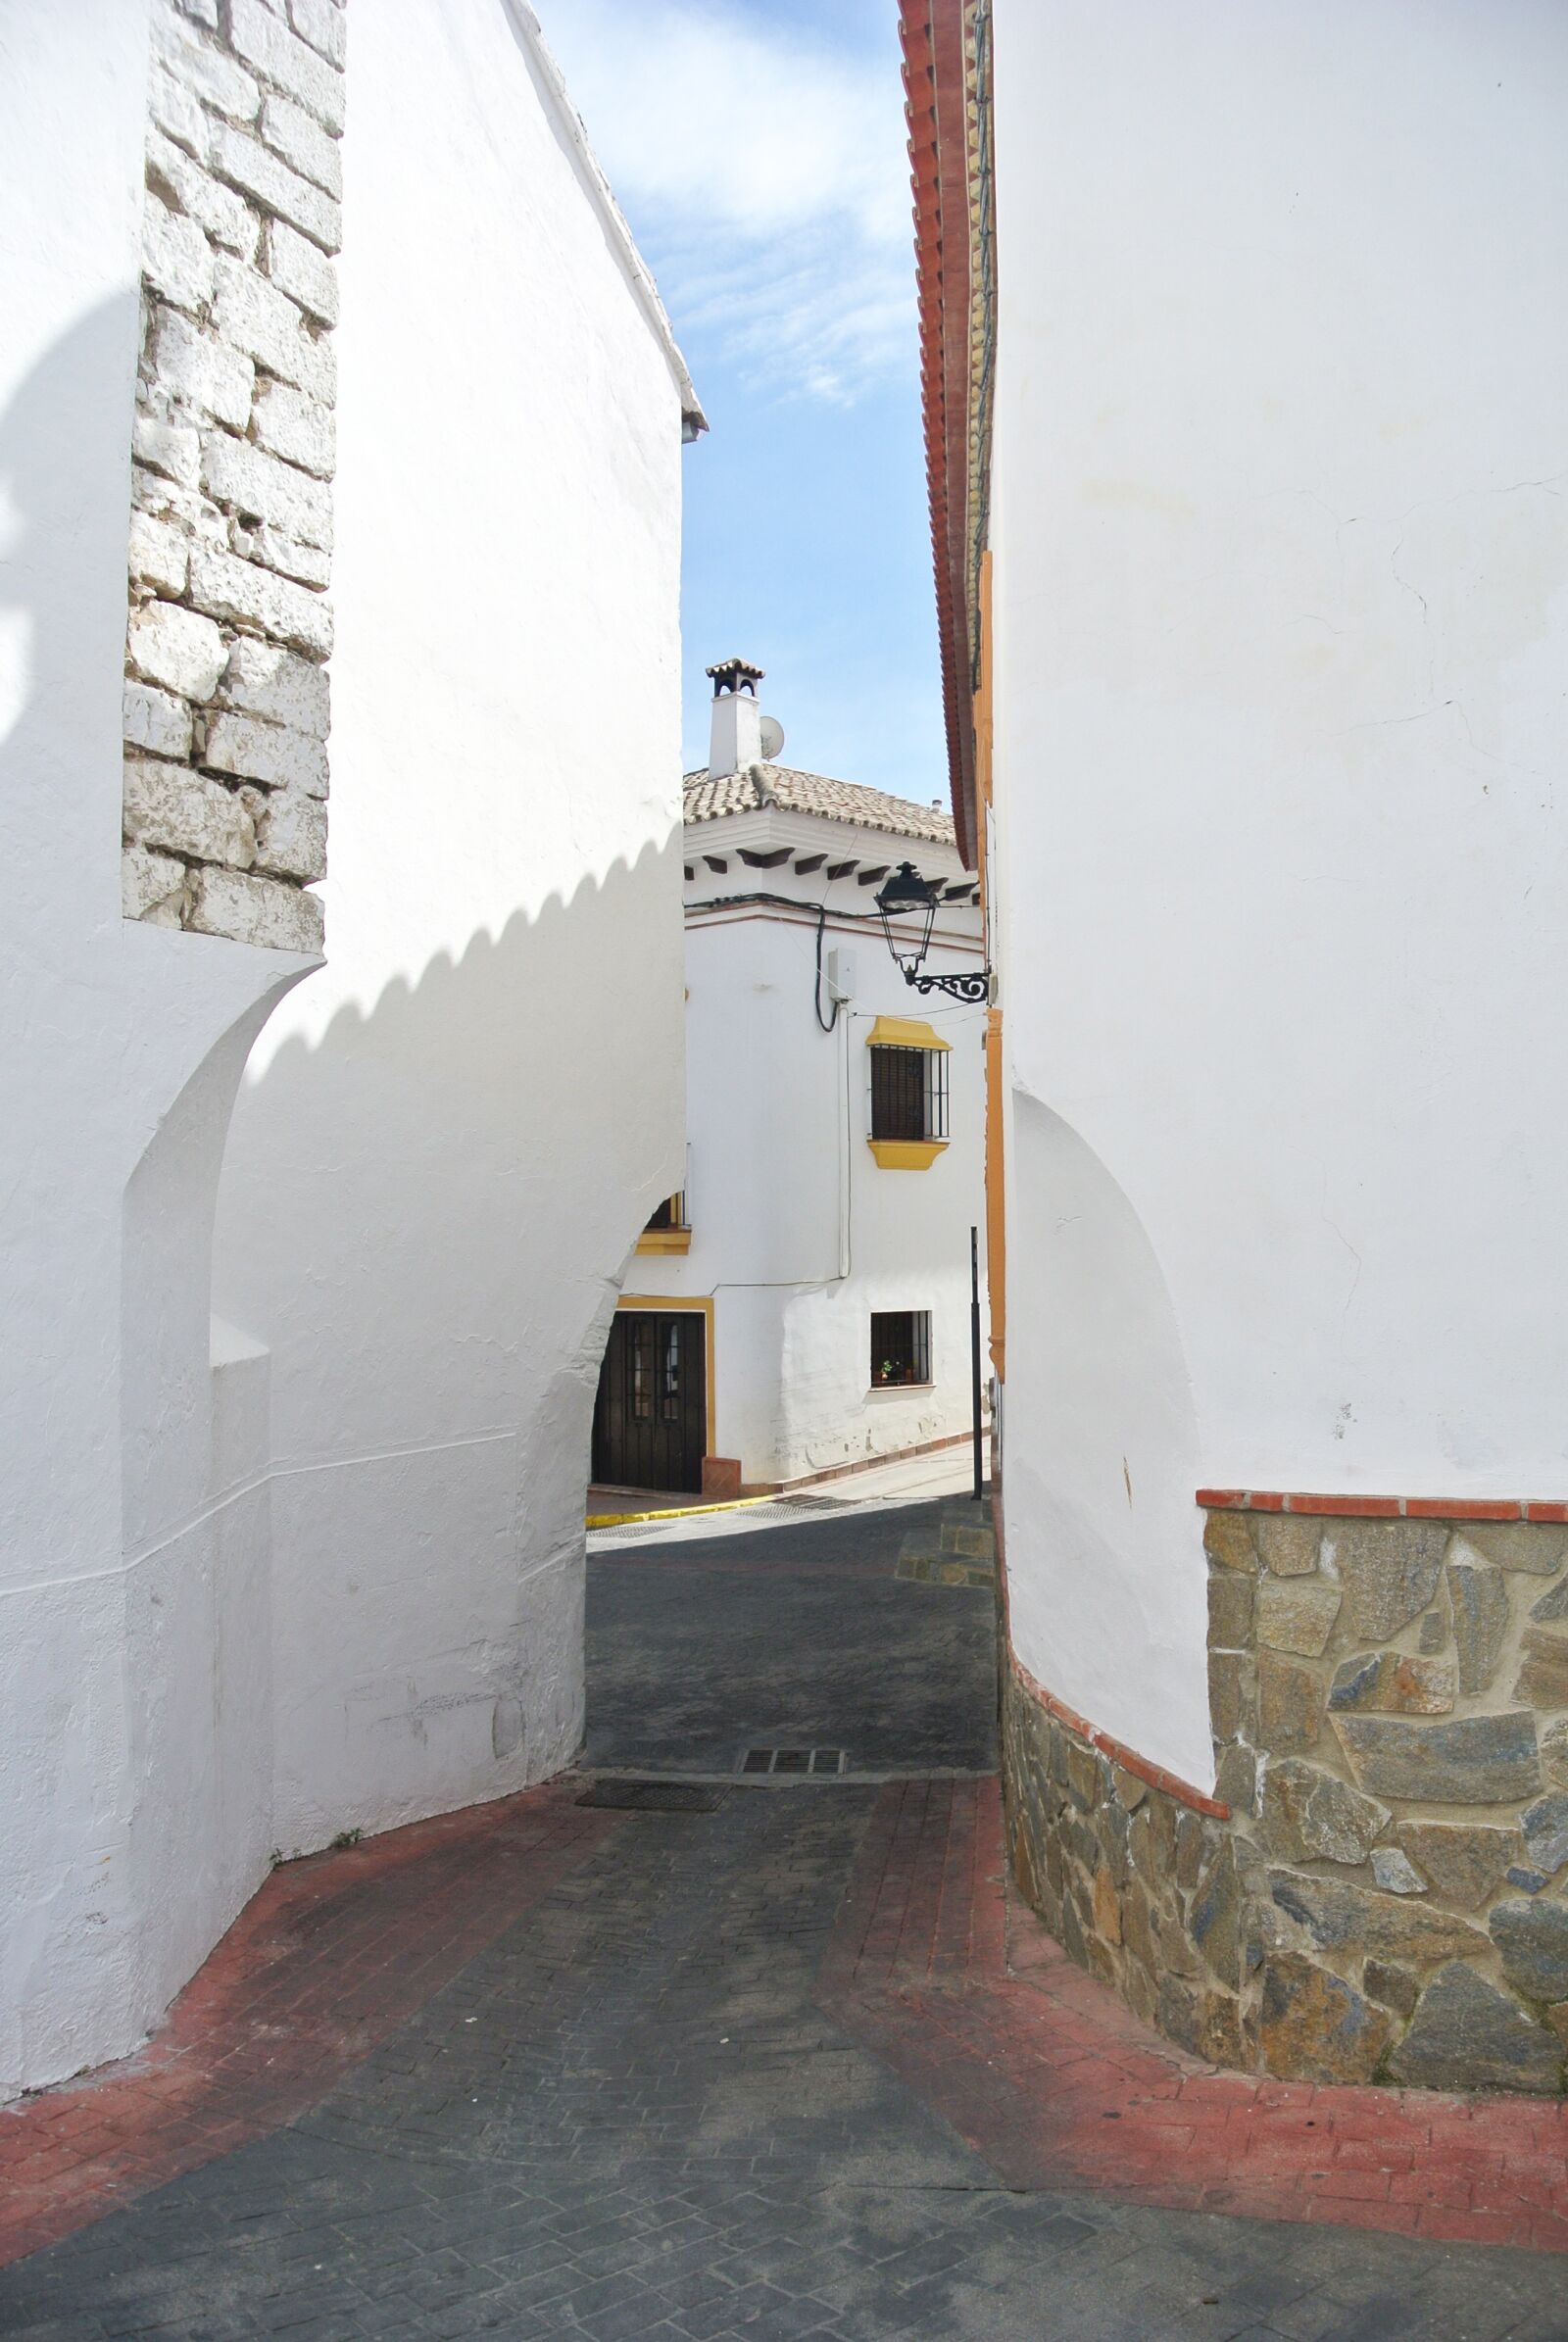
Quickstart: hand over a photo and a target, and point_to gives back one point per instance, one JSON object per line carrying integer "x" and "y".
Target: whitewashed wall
{"x": 445, "y": 1145}
{"x": 796, "y": 1230}
{"x": 129, "y": 1584}
{"x": 1278, "y": 564}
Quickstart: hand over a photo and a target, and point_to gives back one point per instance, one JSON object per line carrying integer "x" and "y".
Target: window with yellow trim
{"x": 908, "y": 1092}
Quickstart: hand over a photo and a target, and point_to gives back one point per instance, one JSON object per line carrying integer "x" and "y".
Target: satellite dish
{"x": 772, "y": 739}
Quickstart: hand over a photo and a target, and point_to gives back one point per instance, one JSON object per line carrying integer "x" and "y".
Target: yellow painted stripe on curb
{"x": 675, "y": 1512}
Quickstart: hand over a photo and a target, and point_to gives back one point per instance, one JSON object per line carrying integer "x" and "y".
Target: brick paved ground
{"x": 763, "y": 2073}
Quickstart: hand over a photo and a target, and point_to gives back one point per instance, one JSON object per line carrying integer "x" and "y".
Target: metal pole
{"x": 974, "y": 1361}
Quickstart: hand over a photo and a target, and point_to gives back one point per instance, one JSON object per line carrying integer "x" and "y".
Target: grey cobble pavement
{"x": 629, "y": 2119}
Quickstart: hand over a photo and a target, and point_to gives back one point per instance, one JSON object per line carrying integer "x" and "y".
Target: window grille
{"x": 901, "y": 1348}
{"x": 908, "y": 1093}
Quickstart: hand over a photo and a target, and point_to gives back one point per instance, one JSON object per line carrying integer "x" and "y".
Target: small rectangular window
{"x": 908, "y": 1093}
{"x": 671, "y": 1213}
{"x": 901, "y": 1348}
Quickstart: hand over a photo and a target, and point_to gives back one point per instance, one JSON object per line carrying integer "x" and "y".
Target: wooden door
{"x": 651, "y": 1416}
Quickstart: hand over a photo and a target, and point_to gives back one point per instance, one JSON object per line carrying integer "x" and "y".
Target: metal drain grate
{"x": 791, "y": 1760}
{"x": 656, "y": 1796}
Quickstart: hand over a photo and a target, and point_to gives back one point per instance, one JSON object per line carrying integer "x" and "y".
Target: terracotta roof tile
{"x": 762, "y": 785}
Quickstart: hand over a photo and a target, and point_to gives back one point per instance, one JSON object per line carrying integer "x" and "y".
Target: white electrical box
{"x": 841, "y": 974}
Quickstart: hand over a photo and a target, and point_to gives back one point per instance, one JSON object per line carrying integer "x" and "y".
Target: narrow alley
{"x": 671, "y": 2049}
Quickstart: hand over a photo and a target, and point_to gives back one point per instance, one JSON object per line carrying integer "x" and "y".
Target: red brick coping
{"x": 1117, "y": 1751}
{"x": 1050, "y": 2076}
{"x": 1385, "y": 1508}
{"x": 328, "y": 1958}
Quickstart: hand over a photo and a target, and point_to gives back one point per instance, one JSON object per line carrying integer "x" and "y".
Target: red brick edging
{"x": 1118, "y": 1751}
{"x": 1052, "y": 2079}
{"x": 331, "y": 1956}
{"x": 1385, "y": 1508}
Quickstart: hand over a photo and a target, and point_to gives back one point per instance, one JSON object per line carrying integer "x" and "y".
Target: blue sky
{"x": 756, "y": 147}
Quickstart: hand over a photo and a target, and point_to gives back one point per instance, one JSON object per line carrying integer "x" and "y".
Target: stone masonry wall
{"x": 1387, "y": 1897}
{"x": 226, "y": 722}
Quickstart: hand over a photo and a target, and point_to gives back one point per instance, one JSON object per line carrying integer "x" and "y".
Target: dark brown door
{"x": 651, "y": 1416}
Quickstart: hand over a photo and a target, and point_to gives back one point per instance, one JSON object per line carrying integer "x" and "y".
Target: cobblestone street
{"x": 788, "y": 2067}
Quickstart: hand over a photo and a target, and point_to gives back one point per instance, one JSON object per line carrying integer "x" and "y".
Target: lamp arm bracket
{"x": 974, "y": 989}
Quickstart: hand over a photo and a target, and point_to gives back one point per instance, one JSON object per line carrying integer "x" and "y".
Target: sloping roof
{"x": 946, "y": 106}
{"x": 762, "y": 785}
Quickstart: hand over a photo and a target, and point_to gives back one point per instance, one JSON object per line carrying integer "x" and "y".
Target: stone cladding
{"x": 225, "y": 710}
{"x": 1379, "y": 1889}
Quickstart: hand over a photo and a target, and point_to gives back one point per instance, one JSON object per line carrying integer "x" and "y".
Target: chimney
{"x": 736, "y": 737}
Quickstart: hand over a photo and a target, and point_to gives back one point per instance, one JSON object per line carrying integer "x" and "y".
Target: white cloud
{"x": 763, "y": 172}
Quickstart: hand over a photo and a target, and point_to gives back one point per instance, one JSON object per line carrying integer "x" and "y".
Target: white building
{"x": 1243, "y": 355}
{"x": 290, "y": 1513}
{"x": 803, "y": 1305}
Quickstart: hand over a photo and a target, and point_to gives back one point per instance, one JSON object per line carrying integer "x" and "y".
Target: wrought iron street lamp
{"x": 907, "y": 897}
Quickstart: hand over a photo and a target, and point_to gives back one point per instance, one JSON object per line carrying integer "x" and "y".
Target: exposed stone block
{"x": 264, "y": 324}
{"x": 1478, "y": 1593}
{"x": 1288, "y": 1546}
{"x": 1396, "y": 1873}
{"x": 1466, "y": 2035}
{"x": 203, "y": 371}
{"x": 253, "y": 482}
{"x": 176, "y": 258}
{"x": 268, "y": 753}
{"x": 249, "y": 164}
{"x": 1392, "y": 1680}
{"x": 1236, "y": 1780}
{"x": 267, "y": 911}
{"x": 1554, "y": 1754}
{"x": 1230, "y": 1610}
{"x": 1228, "y": 1541}
{"x": 159, "y": 555}
{"x": 296, "y": 265}
{"x": 151, "y": 885}
{"x": 1527, "y": 1546}
{"x": 322, "y": 25}
{"x": 291, "y": 424}
{"x": 203, "y": 69}
{"x": 266, "y": 680}
{"x": 1544, "y": 1676}
{"x": 1434, "y": 1630}
{"x": 1470, "y": 1760}
{"x": 1310, "y": 1814}
{"x": 286, "y": 554}
{"x": 291, "y": 835}
{"x": 1315, "y": 2026}
{"x": 1230, "y": 1686}
{"x": 181, "y": 181}
{"x": 1464, "y": 1861}
{"x": 1545, "y": 1828}
{"x": 1389, "y": 1571}
{"x": 178, "y": 113}
{"x": 1216, "y": 1918}
{"x": 1296, "y": 1613}
{"x": 155, "y": 721}
{"x": 171, "y": 807}
{"x": 178, "y": 649}
{"x": 1533, "y": 1940}
{"x": 246, "y": 595}
{"x": 172, "y": 448}
{"x": 288, "y": 62}
{"x": 1397, "y": 1988}
{"x": 1289, "y": 1705}
{"x": 303, "y": 143}
{"x": 1552, "y": 1605}
{"x": 1527, "y": 1880}
{"x": 1341, "y": 1918}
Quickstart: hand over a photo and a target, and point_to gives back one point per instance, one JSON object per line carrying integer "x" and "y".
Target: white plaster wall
{"x": 1279, "y": 559}
{"x": 123, "y": 1578}
{"x": 441, "y": 1159}
{"x": 796, "y": 1230}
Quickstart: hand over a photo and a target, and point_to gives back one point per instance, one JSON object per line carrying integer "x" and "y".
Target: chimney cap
{"x": 735, "y": 674}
